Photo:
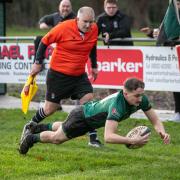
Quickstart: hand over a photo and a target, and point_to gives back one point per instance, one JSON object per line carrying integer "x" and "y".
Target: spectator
{"x": 66, "y": 77}
{"x": 153, "y": 33}
{"x": 107, "y": 112}
{"x": 51, "y": 20}
{"x": 112, "y": 23}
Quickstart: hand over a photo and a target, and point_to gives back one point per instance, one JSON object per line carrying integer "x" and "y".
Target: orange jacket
{"x": 72, "y": 51}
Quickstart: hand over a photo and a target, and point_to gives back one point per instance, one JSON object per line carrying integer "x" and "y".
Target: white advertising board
{"x": 157, "y": 66}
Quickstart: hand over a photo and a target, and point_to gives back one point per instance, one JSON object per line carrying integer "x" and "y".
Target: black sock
{"x": 93, "y": 135}
{"x": 36, "y": 138}
{"x": 41, "y": 127}
{"x": 39, "y": 116}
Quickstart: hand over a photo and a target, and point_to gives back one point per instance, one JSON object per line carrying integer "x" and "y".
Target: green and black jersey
{"x": 113, "y": 107}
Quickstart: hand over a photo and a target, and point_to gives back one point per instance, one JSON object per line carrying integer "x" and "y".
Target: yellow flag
{"x": 29, "y": 90}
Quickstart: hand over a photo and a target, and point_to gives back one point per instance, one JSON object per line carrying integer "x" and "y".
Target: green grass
{"x": 75, "y": 160}
{"x": 24, "y": 31}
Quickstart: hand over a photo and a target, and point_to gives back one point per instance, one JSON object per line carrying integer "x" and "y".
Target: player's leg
{"x": 43, "y": 112}
{"x": 84, "y": 92}
{"x": 54, "y": 137}
{"x": 38, "y": 128}
{"x": 74, "y": 126}
{"x": 86, "y": 98}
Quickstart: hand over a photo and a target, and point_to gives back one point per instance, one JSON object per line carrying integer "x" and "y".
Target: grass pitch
{"x": 74, "y": 160}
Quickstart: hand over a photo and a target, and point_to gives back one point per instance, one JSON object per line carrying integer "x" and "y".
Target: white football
{"x": 135, "y": 132}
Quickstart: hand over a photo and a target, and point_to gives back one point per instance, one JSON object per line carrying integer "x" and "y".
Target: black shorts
{"x": 61, "y": 86}
{"x": 75, "y": 124}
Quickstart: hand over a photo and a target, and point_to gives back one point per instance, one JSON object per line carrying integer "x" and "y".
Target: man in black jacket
{"x": 114, "y": 24}
{"x": 65, "y": 13}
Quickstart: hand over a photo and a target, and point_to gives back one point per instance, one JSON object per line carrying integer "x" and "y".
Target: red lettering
{"x": 14, "y": 51}
{"x": 10, "y": 52}
{"x": 31, "y": 52}
{"x": 4, "y": 52}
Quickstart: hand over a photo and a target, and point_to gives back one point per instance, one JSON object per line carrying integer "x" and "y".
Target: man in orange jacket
{"x": 67, "y": 77}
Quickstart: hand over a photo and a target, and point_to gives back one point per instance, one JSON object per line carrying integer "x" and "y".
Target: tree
{"x": 28, "y": 12}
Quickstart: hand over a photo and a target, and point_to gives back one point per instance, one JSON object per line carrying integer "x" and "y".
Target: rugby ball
{"x": 135, "y": 132}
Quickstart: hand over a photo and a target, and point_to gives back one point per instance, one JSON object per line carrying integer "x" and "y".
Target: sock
{"x": 36, "y": 138}
{"x": 93, "y": 135}
{"x": 49, "y": 127}
{"x": 41, "y": 127}
{"x": 39, "y": 116}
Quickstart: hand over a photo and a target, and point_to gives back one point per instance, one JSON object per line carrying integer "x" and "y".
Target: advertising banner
{"x": 158, "y": 67}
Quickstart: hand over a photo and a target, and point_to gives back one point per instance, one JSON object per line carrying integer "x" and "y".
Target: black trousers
{"x": 177, "y": 101}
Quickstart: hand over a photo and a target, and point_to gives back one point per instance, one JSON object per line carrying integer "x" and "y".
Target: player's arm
{"x": 111, "y": 136}
{"x": 158, "y": 126}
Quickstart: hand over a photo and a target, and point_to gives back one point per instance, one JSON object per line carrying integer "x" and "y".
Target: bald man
{"x": 66, "y": 77}
{"x": 65, "y": 13}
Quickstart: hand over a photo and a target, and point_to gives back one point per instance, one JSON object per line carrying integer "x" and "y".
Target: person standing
{"x": 65, "y": 13}
{"x": 176, "y": 95}
{"x": 67, "y": 77}
{"x": 153, "y": 33}
{"x": 112, "y": 23}
{"x": 108, "y": 113}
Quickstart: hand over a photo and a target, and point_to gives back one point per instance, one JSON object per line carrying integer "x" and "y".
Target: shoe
{"x": 26, "y": 129}
{"x": 60, "y": 108}
{"x": 96, "y": 143}
{"x": 176, "y": 117}
{"x": 26, "y": 144}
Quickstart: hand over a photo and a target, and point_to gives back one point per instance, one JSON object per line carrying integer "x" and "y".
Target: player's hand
{"x": 140, "y": 140}
{"x": 165, "y": 137}
{"x": 94, "y": 73}
{"x": 36, "y": 68}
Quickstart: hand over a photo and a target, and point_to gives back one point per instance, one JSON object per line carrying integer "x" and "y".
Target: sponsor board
{"x": 158, "y": 67}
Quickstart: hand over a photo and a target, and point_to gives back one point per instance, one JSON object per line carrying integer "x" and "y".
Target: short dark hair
{"x": 132, "y": 84}
{"x": 111, "y": 1}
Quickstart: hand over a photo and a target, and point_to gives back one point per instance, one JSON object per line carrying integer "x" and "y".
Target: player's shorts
{"x": 75, "y": 124}
{"x": 61, "y": 86}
